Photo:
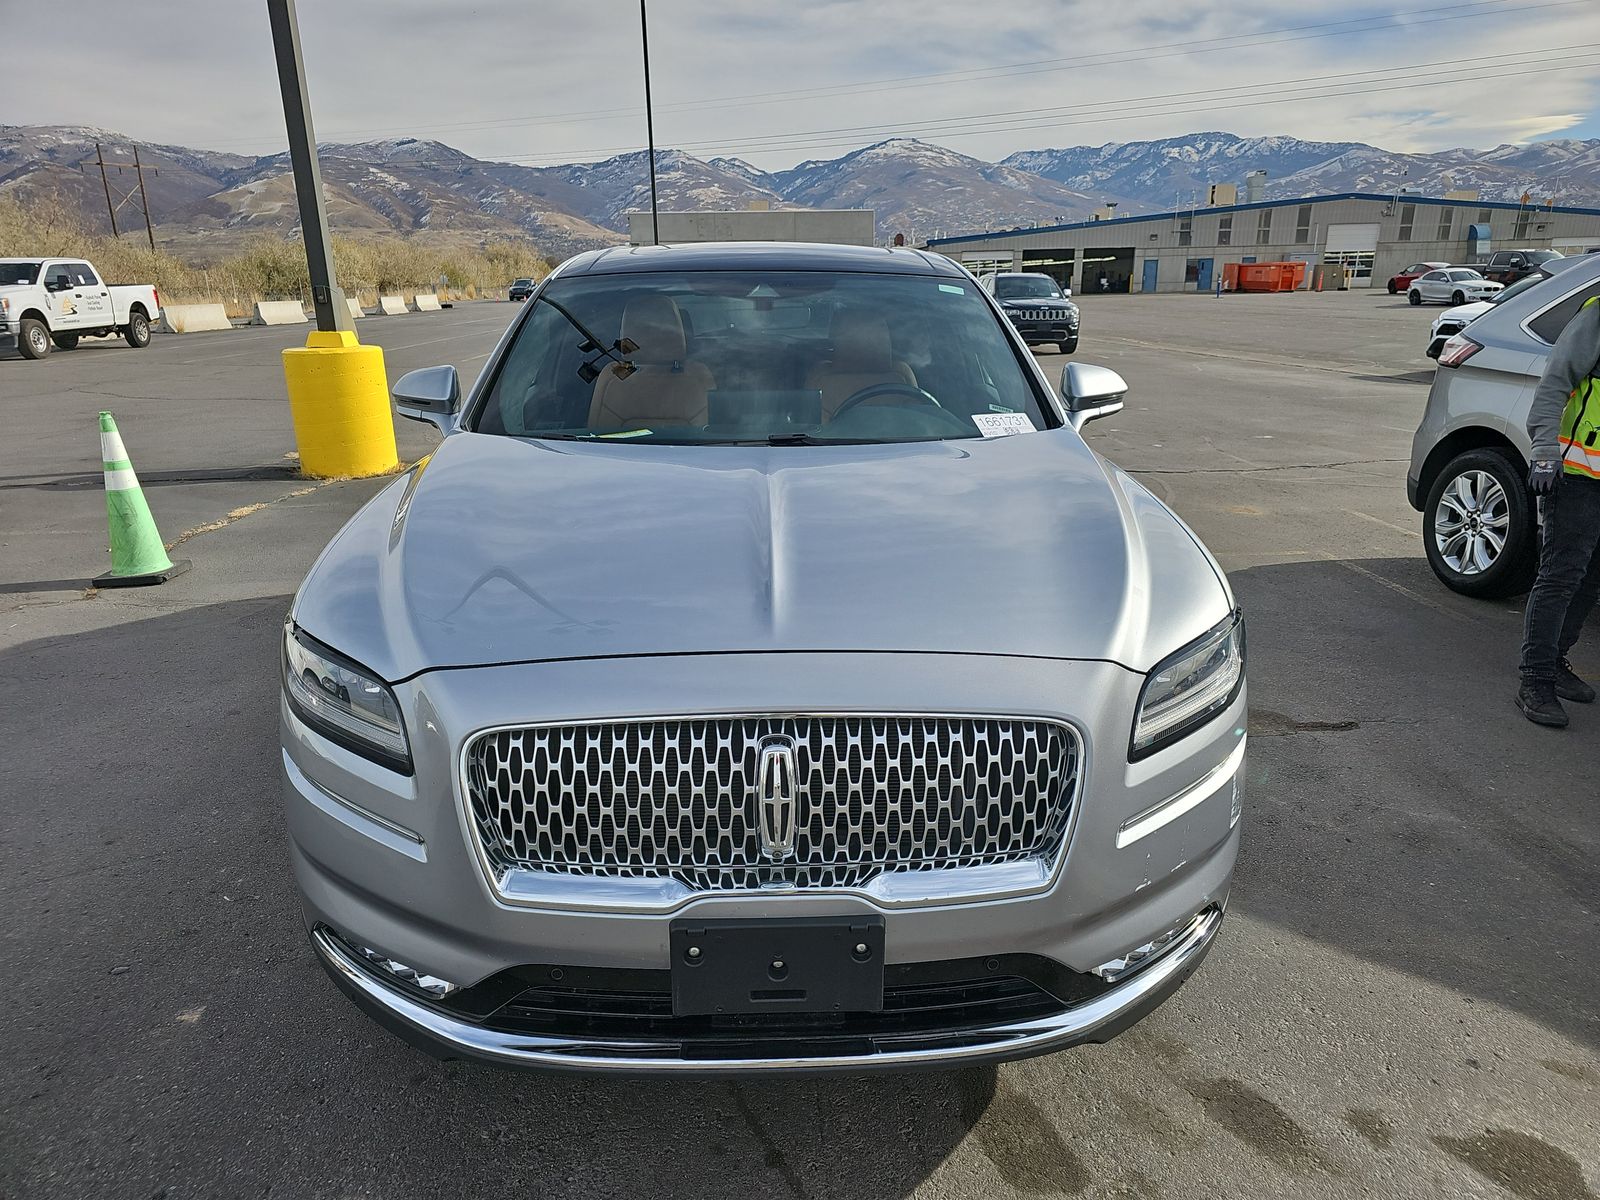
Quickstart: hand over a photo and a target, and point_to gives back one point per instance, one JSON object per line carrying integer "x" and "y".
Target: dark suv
{"x": 1508, "y": 266}
{"x": 1037, "y": 307}
{"x": 520, "y": 289}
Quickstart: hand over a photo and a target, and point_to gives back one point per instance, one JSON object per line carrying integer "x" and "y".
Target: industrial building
{"x": 1369, "y": 236}
{"x": 846, "y": 226}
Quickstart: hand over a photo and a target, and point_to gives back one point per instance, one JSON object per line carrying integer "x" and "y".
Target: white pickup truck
{"x": 56, "y": 301}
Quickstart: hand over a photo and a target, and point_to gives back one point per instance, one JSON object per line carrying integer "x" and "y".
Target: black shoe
{"x": 1570, "y": 687}
{"x": 1538, "y": 703}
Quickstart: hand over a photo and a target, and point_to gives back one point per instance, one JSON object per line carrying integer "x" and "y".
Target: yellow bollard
{"x": 339, "y": 401}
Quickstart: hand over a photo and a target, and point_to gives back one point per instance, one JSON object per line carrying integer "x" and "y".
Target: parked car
{"x": 1453, "y": 320}
{"x": 1040, "y": 308}
{"x": 1469, "y": 458}
{"x": 1508, "y": 266}
{"x": 1457, "y": 285}
{"x": 520, "y": 289}
{"x": 1402, "y": 281}
{"x": 816, "y": 699}
{"x": 47, "y": 302}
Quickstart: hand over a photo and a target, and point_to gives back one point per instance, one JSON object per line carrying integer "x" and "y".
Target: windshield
{"x": 1464, "y": 276}
{"x": 18, "y": 272}
{"x": 787, "y": 357}
{"x": 1026, "y": 287}
{"x": 521, "y": 282}
{"x": 1541, "y": 256}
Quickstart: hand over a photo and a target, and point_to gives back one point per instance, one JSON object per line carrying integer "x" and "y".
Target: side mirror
{"x": 1067, "y": 292}
{"x": 1090, "y": 391}
{"x": 57, "y": 283}
{"x": 432, "y": 394}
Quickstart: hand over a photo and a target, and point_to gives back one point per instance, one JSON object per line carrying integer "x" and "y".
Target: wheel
{"x": 33, "y": 339}
{"x": 1392, "y": 289}
{"x": 65, "y": 341}
{"x": 1414, "y": 296}
{"x": 1479, "y": 526}
{"x": 1067, "y": 347}
{"x": 1458, "y": 298}
{"x": 137, "y": 333}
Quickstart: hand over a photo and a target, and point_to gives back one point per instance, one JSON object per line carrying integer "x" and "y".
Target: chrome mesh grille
{"x": 677, "y": 798}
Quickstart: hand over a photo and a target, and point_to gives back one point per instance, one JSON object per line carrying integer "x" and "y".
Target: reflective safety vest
{"x": 1580, "y": 427}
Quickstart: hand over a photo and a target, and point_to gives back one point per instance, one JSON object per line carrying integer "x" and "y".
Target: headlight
{"x": 1189, "y": 688}
{"x": 343, "y": 702}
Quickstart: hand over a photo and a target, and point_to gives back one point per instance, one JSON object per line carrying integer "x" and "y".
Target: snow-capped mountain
{"x": 200, "y": 198}
{"x": 1172, "y": 172}
{"x": 920, "y": 189}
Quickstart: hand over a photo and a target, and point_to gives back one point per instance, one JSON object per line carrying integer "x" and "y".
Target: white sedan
{"x": 1455, "y": 285}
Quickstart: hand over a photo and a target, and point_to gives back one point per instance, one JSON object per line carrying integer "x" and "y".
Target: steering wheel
{"x": 907, "y": 392}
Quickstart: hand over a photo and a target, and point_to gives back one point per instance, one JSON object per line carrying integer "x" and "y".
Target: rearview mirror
{"x": 432, "y": 394}
{"x": 1090, "y": 391}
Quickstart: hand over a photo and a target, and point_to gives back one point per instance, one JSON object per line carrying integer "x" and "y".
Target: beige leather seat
{"x": 665, "y": 389}
{"x": 862, "y": 356}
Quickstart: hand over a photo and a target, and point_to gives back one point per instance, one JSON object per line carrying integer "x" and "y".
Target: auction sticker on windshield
{"x": 993, "y": 425}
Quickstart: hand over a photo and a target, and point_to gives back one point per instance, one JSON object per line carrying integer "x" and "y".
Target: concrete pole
{"x": 333, "y": 314}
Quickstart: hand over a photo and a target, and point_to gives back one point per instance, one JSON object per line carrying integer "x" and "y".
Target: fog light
{"x": 1142, "y": 956}
{"x": 431, "y": 984}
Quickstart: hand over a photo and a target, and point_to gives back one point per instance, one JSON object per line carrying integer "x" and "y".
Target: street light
{"x": 649, "y": 124}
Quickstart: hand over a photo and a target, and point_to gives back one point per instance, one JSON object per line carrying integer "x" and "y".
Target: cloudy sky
{"x": 559, "y": 80}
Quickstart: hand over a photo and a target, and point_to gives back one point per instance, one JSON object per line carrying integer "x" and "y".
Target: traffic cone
{"x": 138, "y": 556}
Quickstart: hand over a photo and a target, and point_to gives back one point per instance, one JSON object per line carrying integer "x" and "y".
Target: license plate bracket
{"x": 796, "y": 965}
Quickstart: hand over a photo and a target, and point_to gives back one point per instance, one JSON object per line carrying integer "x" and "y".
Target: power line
{"x": 1476, "y": 9}
{"x": 1123, "y": 104}
{"x": 953, "y": 126}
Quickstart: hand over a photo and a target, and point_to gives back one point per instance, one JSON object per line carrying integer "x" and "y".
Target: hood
{"x": 496, "y": 550}
{"x": 1464, "y": 312}
{"x": 1038, "y": 302}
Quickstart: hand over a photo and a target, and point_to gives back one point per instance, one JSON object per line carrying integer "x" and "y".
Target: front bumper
{"x": 449, "y": 1035}
{"x": 387, "y": 862}
{"x": 8, "y": 338}
{"x": 1034, "y": 331}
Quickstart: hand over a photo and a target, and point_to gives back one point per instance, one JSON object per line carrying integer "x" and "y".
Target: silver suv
{"x": 1469, "y": 458}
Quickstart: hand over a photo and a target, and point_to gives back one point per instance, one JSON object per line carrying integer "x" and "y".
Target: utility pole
{"x": 649, "y": 125}
{"x": 111, "y": 212}
{"x": 338, "y": 389}
{"x": 333, "y": 314}
{"x": 144, "y": 200}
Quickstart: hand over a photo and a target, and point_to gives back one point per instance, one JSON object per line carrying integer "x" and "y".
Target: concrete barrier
{"x": 427, "y": 302}
{"x": 356, "y": 311}
{"x": 192, "y": 318}
{"x": 392, "y": 306}
{"x": 279, "y": 312}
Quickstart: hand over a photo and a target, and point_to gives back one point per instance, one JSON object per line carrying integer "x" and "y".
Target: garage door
{"x": 1352, "y": 247}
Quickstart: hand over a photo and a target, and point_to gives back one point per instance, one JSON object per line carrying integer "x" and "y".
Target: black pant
{"x": 1569, "y": 576}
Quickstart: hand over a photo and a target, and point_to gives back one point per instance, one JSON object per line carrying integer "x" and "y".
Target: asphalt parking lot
{"x": 1402, "y": 1004}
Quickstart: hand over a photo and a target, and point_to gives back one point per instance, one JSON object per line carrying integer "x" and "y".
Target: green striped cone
{"x": 138, "y": 556}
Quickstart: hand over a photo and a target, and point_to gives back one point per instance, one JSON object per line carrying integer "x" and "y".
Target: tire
{"x": 33, "y": 339}
{"x": 1067, "y": 347}
{"x": 1458, "y": 299}
{"x": 1488, "y": 482}
{"x": 1393, "y": 291}
{"x": 137, "y": 331}
{"x": 1414, "y": 296}
{"x": 65, "y": 341}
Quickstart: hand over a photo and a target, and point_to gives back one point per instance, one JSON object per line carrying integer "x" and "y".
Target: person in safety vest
{"x": 1564, "y": 423}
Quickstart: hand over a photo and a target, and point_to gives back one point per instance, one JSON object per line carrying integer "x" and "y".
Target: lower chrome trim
{"x": 446, "y": 1034}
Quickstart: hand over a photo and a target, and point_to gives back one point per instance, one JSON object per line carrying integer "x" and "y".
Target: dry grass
{"x": 269, "y": 268}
